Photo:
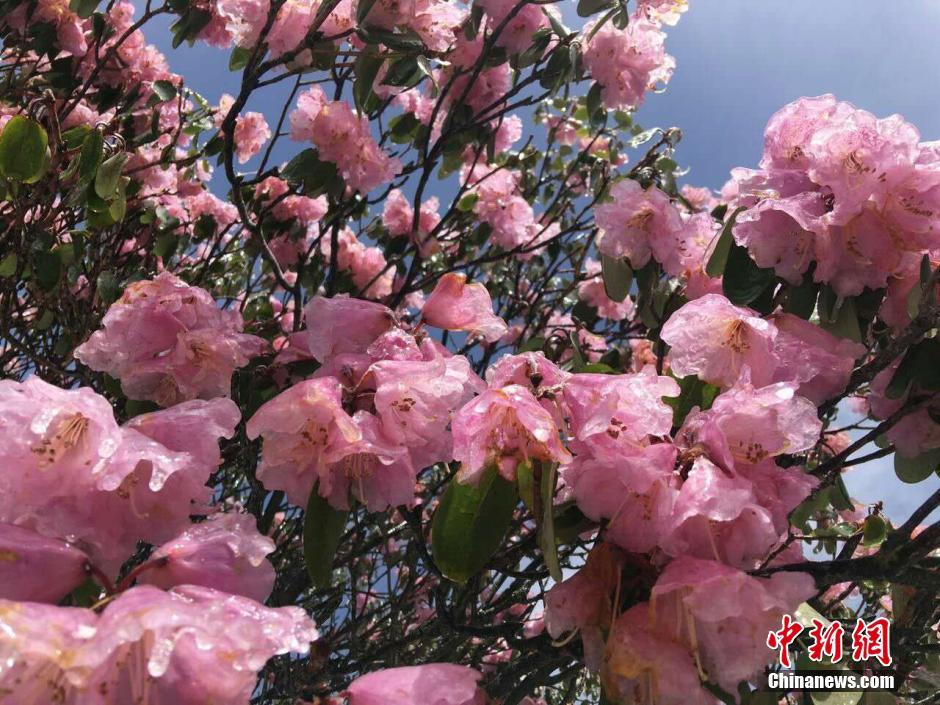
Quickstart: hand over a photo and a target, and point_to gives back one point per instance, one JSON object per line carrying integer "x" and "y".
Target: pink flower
{"x": 516, "y": 36}
{"x": 251, "y": 132}
{"x": 644, "y": 664}
{"x": 436, "y": 22}
{"x": 416, "y": 400}
{"x": 585, "y": 602}
{"x": 502, "y": 428}
{"x": 147, "y": 644}
{"x": 343, "y": 139}
{"x": 501, "y": 205}
{"x": 761, "y": 423}
{"x": 225, "y": 552}
{"x": 635, "y": 491}
{"x": 723, "y": 615}
{"x": 430, "y": 684}
{"x": 305, "y": 430}
{"x": 456, "y": 305}
{"x": 343, "y": 325}
{"x": 814, "y": 359}
{"x": 637, "y": 223}
{"x": 36, "y": 568}
{"x": 593, "y": 293}
{"x": 169, "y": 342}
{"x": 619, "y": 411}
{"x": 715, "y": 340}
{"x": 627, "y": 62}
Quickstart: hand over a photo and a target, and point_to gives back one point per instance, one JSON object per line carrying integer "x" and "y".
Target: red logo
{"x": 871, "y": 640}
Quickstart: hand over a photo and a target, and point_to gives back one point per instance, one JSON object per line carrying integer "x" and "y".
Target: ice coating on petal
{"x": 732, "y": 613}
{"x": 225, "y": 552}
{"x": 100, "y": 486}
{"x": 36, "y": 568}
{"x": 504, "y": 427}
{"x": 619, "y": 409}
{"x": 456, "y": 305}
{"x": 174, "y": 638}
{"x": 169, "y": 342}
{"x": 305, "y": 429}
{"x": 430, "y": 684}
{"x": 343, "y": 325}
{"x": 712, "y": 338}
{"x": 642, "y": 662}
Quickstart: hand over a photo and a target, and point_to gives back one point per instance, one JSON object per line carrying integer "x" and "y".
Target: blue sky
{"x": 738, "y": 61}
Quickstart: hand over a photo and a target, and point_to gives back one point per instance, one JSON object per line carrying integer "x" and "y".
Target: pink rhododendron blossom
{"x": 855, "y": 194}
{"x": 637, "y": 223}
{"x": 430, "y": 684}
{"x": 456, "y": 305}
{"x": 723, "y": 615}
{"x": 169, "y": 342}
{"x": 502, "y": 428}
{"x": 305, "y": 430}
{"x": 343, "y": 325}
{"x": 585, "y": 601}
{"x": 761, "y": 423}
{"x": 715, "y": 340}
{"x": 819, "y": 362}
{"x": 627, "y": 62}
{"x": 516, "y": 35}
{"x": 619, "y": 411}
{"x": 342, "y": 138}
{"x": 225, "y": 552}
{"x": 416, "y": 400}
{"x": 147, "y": 646}
{"x": 436, "y": 22}
{"x": 636, "y": 492}
{"x": 645, "y": 664}
{"x": 36, "y": 568}
{"x": 593, "y": 293}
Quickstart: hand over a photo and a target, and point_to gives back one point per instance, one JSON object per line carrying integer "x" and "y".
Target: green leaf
{"x": 875, "y": 531}
{"x": 579, "y": 360}
{"x": 618, "y": 277}
{"x": 239, "y": 59}
{"x": 165, "y": 90}
{"x": 838, "y": 316}
{"x": 692, "y": 392}
{"x": 547, "y": 521}
{"x": 315, "y": 175}
{"x": 23, "y": 145}
{"x": 470, "y": 524}
{"x": 8, "y": 266}
{"x": 323, "y": 529}
{"x": 914, "y": 470}
{"x": 525, "y": 480}
{"x": 47, "y": 269}
{"x": 719, "y": 259}
{"x": 919, "y": 369}
{"x": 403, "y": 73}
{"x": 838, "y": 496}
{"x": 89, "y": 159}
{"x": 83, "y": 8}
{"x": 742, "y": 280}
{"x": 74, "y": 138}
{"x": 586, "y": 8}
{"x": 801, "y": 299}
{"x": 109, "y": 174}
{"x": 367, "y": 68}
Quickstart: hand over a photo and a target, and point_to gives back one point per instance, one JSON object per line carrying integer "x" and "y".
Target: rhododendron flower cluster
{"x": 841, "y": 188}
{"x": 343, "y": 139}
{"x": 459, "y": 395}
{"x": 169, "y": 342}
